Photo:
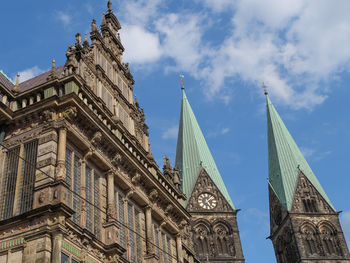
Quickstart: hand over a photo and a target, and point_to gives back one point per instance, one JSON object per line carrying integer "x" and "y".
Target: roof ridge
{"x": 8, "y": 78}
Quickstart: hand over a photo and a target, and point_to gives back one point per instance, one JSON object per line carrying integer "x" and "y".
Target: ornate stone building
{"x": 213, "y": 222}
{"x": 78, "y": 182}
{"x": 304, "y": 224}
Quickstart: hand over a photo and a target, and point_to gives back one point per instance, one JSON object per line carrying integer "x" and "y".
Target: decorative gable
{"x": 307, "y": 199}
{"x": 203, "y": 190}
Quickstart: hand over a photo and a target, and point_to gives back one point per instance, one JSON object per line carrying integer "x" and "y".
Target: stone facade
{"x": 310, "y": 232}
{"x": 78, "y": 179}
{"x": 214, "y": 229}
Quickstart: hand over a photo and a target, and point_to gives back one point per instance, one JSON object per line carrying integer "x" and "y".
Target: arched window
{"x": 201, "y": 239}
{"x": 221, "y": 236}
{"x": 329, "y": 239}
{"x": 310, "y": 239}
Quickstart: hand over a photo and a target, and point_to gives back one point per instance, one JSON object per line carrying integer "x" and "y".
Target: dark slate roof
{"x": 38, "y": 80}
{"x": 5, "y": 81}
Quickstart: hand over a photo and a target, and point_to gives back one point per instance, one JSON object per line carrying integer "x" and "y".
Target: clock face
{"x": 206, "y": 201}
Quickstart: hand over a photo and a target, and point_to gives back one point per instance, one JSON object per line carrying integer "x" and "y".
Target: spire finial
{"x": 109, "y": 5}
{"x": 182, "y": 81}
{"x": 265, "y": 88}
{"x": 17, "y": 79}
{"x": 52, "y": 74}
{"x": 16, "y": 88}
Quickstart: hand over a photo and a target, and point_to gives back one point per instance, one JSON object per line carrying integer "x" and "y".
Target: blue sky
{"x": 225, "y": 49}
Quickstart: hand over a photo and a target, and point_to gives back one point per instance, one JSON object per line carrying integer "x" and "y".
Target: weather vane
{"x": 182, "y": 81}
{"x": 265, "y": 88}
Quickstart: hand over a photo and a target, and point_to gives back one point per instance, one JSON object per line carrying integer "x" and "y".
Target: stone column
{"x": 57, "y": 247}
{"x": 61, "y": 154}
{"x": 179, "y": 248}
{"x": 110, "y": 196}
{"x": 149, "y": 236}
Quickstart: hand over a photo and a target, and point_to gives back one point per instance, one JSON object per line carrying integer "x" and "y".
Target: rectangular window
{"x": 68, "y": 179}
{"x": 121, "y": 220}
{"x": 30, "y": 155}
{"x": 76, "y": 189}
{"x": 64, "y": 258}
{"x": 97, "y": 218}
{"x": 169, "y": 249}
{"x": 165, "y": 256}
{"x": 138, "y": 236}
{"x": 131, "y": 232}
{"x": 119, "y": 84}
{"x": 89, "y": 193}
{"x": 68, "y": 166}
{"x": 156, "y": 238}
{"x": 12, "y": 167}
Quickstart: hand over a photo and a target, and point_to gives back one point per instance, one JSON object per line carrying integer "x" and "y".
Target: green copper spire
{"x": 192, "y": 152}
{"x": 285, "y": 160}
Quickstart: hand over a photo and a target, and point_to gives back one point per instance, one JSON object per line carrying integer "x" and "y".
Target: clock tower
{"x": 214, "y": 229}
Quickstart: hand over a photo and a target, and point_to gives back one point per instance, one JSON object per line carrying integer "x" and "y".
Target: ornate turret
{"x": 304, "y": 223}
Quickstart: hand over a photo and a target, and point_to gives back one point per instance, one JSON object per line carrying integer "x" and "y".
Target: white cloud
{"x": 182, "y": 41}
{"x": 216, "y": 133}
{"x": 345, "y": 221}
{"x": 140, "y": 12}
{"x": 225, "y": 130}
{"x": 170, "y": 133}
{"x": 296, "y": 47}
{"x": 307, "y": 152}
{"x": 29, "y": 73}
{"x": 65, "y": 18}
{"x": 143, "y": 46}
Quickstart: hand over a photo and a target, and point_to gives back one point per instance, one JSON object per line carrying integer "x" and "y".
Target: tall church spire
{"x": 303, "y": 222}
{"x": 213, "y": 216}
{"x": 193, "y": 154}
{"x": 286, "y": 161}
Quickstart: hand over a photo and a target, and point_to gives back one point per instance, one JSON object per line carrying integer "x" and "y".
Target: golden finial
{"x": 182, "y": 81}
{"x": 265, "y": 88}
{"x": 53, "y": 64}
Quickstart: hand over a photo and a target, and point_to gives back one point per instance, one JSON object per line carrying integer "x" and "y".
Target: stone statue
{"x": 167, "y": 165}
{"x": 93, "y": 25}
{"x": 109, "y": 6}
{"x": 77, "y": 39}
{"x": 176, "y": 178}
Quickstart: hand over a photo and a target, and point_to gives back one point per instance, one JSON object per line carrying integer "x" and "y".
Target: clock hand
{"x": 210, "y": 198}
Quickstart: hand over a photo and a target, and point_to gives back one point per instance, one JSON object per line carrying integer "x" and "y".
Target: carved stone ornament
{"x": 41, "y": 198}
{"x": 168, "y": 209}
{"x": 71, "y": 62}
{"x": 136, "y": 179}
{"x": 47, "y": 115}
{"x": 69, "y": 114}
{"x": 153, "y": 195}
{"x": 97, "y": 138}
{"x": 117, "y": 159}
